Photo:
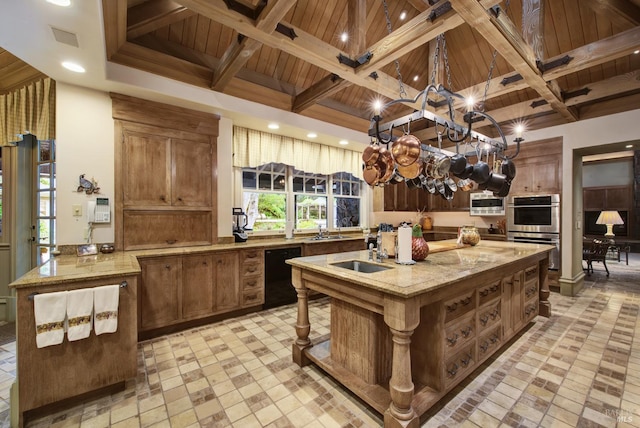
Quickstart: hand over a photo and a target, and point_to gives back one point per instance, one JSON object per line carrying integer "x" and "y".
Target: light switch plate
{"x": 77, "y": 210}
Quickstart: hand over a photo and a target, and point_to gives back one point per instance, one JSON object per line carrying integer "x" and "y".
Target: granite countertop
{"x": 71, "y": 268}
{"x": 66, "y": 269}
{"x": 437, "y": 270}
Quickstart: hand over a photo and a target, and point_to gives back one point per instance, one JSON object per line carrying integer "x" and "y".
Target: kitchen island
{"x": 402, "y": 336}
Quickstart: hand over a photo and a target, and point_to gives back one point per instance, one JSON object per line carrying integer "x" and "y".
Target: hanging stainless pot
{"x": 438, "y": 165}
{"x": 406, "y": 150}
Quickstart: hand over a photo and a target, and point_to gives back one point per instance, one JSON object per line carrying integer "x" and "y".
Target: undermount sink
{"x": 324, "y": 238}
{"x": 360, "y": 266}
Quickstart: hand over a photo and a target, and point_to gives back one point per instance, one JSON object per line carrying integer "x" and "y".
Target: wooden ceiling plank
{"x": 512, "y": 48}
{"x": 600, "y": 52}
{"x": 238, "y": 53}
{"x": 621, "y": 13}
{"x": 149, "y": 16}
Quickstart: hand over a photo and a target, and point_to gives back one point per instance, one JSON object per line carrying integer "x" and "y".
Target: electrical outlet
{"x": 77, "y": 210}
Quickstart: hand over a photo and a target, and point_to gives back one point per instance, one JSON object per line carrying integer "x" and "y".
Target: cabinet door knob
{"x": 167, "y": 266}
{"x": 180, "y": 199}
{"x": 171, "y": 241}
{"x": 162, "y": 198}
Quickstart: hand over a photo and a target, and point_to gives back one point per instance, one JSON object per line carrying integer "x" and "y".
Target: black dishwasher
{"x": 278, "y": 289}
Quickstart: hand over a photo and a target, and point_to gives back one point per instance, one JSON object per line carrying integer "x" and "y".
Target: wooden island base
{"x": 401, "y": 354}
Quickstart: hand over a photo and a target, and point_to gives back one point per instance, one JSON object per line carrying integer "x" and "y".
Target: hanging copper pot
{"x": 406, "y": 150}
{"x": 371, "y": 174}
{"x": 371, "y": 154}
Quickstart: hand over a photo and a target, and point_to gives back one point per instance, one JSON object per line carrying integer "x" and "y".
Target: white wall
{"x": 84, "y": 137}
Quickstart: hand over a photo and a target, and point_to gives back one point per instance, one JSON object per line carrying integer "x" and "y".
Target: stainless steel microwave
{"x": 486, "y": 204}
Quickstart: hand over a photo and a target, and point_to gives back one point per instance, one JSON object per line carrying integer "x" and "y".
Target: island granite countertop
{"x": 445, "y": 264}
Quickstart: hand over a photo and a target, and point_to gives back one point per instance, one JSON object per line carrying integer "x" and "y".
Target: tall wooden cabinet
{"x": 165, "y": 175}
{"x": 538, "y": 167}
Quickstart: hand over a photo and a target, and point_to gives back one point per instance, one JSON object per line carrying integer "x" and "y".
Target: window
{"x": 45, "y": 199}
{"x": 318, "y": 201}
{"x": 264, "y": 199}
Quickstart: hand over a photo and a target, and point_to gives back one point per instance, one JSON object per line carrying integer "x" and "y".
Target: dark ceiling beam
{"x": 622, "y": 13}
{"x": 502, "y": 35}
{"x": 239, "y": 52}
{"x": 149, "y": 16}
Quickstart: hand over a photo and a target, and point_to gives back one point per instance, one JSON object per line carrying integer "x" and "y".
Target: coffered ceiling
{"x": 556, "y": 61}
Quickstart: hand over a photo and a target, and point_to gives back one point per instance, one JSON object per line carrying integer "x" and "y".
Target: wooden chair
{"x": 595, "y": 251}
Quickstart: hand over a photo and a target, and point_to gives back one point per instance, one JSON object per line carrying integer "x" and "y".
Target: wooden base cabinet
{"x": 177, "y": 289}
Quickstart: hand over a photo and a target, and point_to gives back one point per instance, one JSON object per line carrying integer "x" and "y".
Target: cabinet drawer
{"x": 455, "y": 308}
{"x": 489, "y": 316}
{"x": 459, "y": 333}
{"x": 251, "y": 269}
{"x": 253, "y": 283}
{"x": 489, "y": 292}
{"x": 530, "y": 310}
{"x": 253, "y": 297}
{"x": 530, "y": 290}
{"x": 530, "y": 273}
{"x": 247, "y": 256}
{"x": 459, "y": 365}
{"x": 489, "y": 342}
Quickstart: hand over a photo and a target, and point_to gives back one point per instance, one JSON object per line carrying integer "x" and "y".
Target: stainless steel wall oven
{"x": 535, "y": 219}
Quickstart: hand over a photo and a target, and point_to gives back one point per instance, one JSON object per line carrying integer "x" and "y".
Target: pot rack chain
{"x": 403, "y": 92}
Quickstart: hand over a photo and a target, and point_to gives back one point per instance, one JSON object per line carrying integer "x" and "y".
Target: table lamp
{"x": 609, "y": 218}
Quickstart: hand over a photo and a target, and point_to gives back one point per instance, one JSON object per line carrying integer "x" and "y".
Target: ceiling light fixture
{"x": 273, "y": 126}
{"x": 415, "y": 78}
{"x": 72, "y": 66}
{"x": 63, "y": 3}
{"x": 403, "y": 15}
{"x": 344, "y": 37}
{"x": 343, "y": 142}
{"x": 312, "y": 135}
{"x": 629, "y": 146}
{"x": 637, "y": 51}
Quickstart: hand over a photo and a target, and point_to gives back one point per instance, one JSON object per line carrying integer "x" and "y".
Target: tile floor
{"x": 579, "y": 368}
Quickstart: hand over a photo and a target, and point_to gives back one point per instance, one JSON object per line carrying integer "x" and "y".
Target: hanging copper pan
{"x": 385, "y": 159}
{"x": 410, "y": 171}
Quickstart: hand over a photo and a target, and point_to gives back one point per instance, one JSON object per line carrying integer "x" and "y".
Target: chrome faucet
{"x": 371, "y": 252}
{"x": 381, "y": 253}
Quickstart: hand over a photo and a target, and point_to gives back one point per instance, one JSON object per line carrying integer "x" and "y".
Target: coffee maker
{"x": 240, "y": 225}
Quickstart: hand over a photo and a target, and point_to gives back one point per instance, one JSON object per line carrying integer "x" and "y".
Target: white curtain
{"x": 253, "y": 148}
{"x": 29, "y": 109}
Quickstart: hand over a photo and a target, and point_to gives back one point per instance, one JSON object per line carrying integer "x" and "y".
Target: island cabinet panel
{"x": 70, "y": 369}
{"x": 160, "y": 292}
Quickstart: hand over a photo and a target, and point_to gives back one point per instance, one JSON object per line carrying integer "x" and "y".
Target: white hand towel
{"x": 50, "y": 310}
{"x": 105, "y": 305}
{"x": 79, "y": 310}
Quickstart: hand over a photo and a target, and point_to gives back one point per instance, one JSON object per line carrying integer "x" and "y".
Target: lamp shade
{"x": 609, "y": 217}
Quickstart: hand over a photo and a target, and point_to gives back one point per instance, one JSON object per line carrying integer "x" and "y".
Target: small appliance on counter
{"x": 240, "y": 225}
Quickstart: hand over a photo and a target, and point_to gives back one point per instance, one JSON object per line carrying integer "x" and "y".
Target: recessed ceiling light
{"x": 312, "y": 135}
{"x": 64, "y": 3}
{"x": 77, "y": 68}
{"x": 273, "y": 126}
{"x": 415, "y": 78}
{"x": 629, "y": 146}
{"x": 637, "y": 51}
{"x": 344, "y": 37}
{"x": 343, "y": 142}
{"x": 403, "y": 15}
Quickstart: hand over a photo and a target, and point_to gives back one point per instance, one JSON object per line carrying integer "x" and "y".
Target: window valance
{"x": 31, "y": 108}
{"x": 253, "y": 148}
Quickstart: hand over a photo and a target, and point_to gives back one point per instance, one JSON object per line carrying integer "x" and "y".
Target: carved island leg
{"x": 545, "y": 305}
{"x": 402, "y": 320}
{"x": 302, "y": 321}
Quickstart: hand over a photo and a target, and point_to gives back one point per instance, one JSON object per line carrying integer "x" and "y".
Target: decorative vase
{"x": 426, "y": 222}
{"x": 470, "y": 235}
{"x": 419, "y": 247}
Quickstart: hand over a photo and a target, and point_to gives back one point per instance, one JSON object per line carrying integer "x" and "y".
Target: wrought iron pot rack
{"x": 437, "y": 165}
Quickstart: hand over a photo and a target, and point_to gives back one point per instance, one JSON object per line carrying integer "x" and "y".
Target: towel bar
{"x": 123, "y": 284}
